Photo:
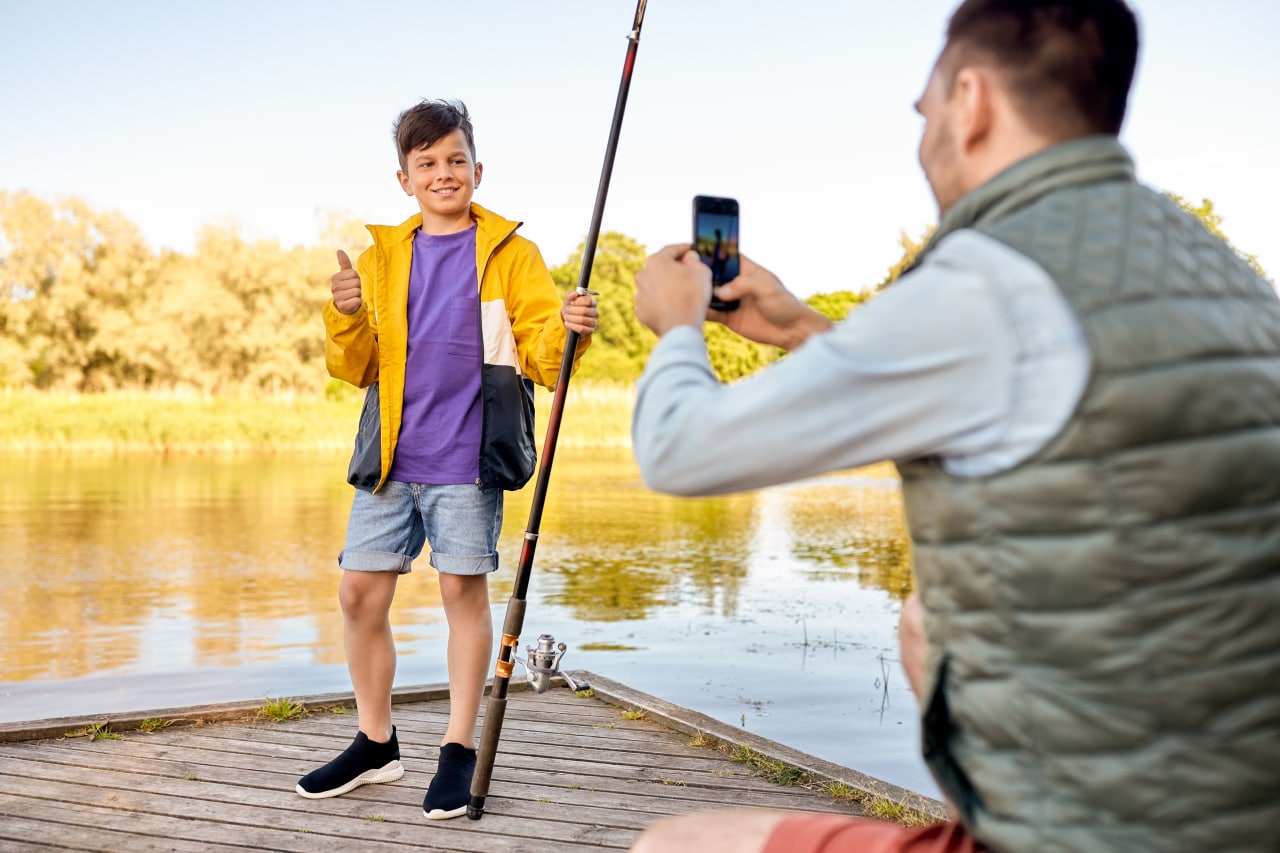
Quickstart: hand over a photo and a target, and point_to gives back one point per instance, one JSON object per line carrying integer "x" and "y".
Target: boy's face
{"x": 442, "y": 177}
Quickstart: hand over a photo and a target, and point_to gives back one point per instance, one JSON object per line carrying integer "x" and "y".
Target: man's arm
{"x": 674, "y": 289}
{"x": 922, "y": 369}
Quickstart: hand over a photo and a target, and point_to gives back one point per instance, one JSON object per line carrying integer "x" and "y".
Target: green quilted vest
{"x": 1104, "y": 618}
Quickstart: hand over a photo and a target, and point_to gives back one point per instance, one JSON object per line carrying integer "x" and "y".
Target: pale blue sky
{"x": 267, "y": 113}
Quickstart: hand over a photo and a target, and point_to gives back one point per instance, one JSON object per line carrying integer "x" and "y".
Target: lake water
{"x": 140, "y": 583}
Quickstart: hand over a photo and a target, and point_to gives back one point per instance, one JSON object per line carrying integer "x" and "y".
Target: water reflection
{"x": 774, "y": 610}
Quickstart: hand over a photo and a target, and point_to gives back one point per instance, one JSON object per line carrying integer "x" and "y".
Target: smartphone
{"x": 715, "y": 239}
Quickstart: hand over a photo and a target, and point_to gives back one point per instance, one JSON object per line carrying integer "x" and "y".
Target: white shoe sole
{"x": 441, "y": 814}
{"x": 387, "y": 773}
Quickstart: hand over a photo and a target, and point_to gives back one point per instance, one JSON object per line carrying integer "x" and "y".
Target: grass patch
{"x": 586, "y": 693}
{"x": 877, "y": 806}
{"x": 873, "y": 805}
{"x": 281, "y": 709}
{"x": 597, "y": 414}
{"x": 635, "y": 714}
{"x": 376, "y": 818}
{"x": 777, "y": 772}
{"x": 154, "y": 724}
{"x": 676, "y": 782}
{"x": 96, "y": 731}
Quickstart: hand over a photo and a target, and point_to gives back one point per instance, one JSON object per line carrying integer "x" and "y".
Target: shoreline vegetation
{"x": 119, "y": 423}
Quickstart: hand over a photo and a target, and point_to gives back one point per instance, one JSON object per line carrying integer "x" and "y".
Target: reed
{"x": 597, "y": 414}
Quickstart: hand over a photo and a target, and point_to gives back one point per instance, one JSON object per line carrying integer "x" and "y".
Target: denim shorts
{"x": 387, "y": 530}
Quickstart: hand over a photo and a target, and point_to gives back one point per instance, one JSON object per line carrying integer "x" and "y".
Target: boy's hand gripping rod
{"x": 496, "y": 708}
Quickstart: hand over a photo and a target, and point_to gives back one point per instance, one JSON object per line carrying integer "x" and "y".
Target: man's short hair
{"x": 1068, "y": 64}
{"x": 426, "y": 122}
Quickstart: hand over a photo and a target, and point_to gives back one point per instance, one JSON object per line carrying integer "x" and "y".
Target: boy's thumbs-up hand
{"x": 345, "y": 285}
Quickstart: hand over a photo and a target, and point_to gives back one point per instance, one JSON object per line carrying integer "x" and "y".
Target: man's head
{"x": 438, "y": 164}
{"x": 1017, "y": 76}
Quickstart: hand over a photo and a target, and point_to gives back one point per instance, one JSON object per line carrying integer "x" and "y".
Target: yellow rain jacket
{"x": 520, "y": 324}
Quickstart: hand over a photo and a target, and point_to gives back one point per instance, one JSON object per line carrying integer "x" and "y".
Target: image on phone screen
{"x": 716, "y": 236}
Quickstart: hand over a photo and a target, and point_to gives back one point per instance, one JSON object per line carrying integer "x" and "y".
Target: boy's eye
{"x": 459, "y": 162}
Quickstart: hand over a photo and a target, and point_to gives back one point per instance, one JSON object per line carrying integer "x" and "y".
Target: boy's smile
{"x": 442, "y": 177}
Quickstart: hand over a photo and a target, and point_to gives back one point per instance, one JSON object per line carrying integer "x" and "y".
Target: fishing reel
{"x": 544, "y": 662}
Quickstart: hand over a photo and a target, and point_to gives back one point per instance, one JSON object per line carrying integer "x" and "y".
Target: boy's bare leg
{"x": 466, "y": 607}
{"x": 912, "y": 642}
{"x": 371, "y": 650}
{"x": 732, "y": 831}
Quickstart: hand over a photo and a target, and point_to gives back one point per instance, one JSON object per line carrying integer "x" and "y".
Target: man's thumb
{"x": 344, "y": 263}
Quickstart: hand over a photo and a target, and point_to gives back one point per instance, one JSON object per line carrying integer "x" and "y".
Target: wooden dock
{"x": 572, "y": 772}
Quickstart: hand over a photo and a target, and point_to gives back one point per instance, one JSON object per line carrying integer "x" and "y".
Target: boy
{"x": 455, "y": 316}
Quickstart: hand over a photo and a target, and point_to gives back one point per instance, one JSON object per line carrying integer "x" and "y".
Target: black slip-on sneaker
{"x": 450, "y": 789}
{"x": 365, "y": 762}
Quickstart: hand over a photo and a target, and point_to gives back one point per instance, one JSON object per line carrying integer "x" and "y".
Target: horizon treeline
{"x": 87, "y": 306}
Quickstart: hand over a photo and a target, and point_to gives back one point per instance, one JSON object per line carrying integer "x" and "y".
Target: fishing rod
{"x": 545, "y": 657}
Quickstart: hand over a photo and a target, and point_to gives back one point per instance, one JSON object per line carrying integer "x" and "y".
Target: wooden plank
{"x": 545, "y": 781}
{"x": 691, "y": 722}
{"x": 56, "y": 832}
{"x": 571, "y": 773}
{"x": 247, "y": 817}
{"x": 213, "y": 713}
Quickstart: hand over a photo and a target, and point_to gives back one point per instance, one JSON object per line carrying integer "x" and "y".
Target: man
{"x": 1081, "y": 389}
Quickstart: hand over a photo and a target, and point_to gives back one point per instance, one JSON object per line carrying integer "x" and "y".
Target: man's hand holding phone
{"x": 768, "y": 312}
{"x": 673, "y": 289}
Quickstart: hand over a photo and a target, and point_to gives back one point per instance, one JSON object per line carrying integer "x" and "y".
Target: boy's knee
{"x": 461, "y": 587}
{"x": 366, "y": 594}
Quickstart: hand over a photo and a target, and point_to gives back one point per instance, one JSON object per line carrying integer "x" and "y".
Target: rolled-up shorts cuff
{"x": 375, "y": 561}
{"x": 454, "y": 564}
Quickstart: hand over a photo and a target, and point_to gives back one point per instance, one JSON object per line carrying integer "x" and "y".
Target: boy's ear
{"x": 404, "y": 182}
{"x": 479, "y": 169}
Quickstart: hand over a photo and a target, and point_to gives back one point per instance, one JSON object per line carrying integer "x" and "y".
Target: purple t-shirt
{"x": 439, "y": 441}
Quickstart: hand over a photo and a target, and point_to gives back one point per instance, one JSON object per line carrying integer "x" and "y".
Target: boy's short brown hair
{"x": 426, "y": 122}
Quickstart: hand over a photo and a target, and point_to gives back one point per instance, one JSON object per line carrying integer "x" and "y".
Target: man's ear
{"x": 972, "y": 95}
{"x": 404, "y": 182}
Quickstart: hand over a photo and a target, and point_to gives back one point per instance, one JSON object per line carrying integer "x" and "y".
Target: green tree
{"x": 250, "y": 313}
{"x": 910, "y": 251}
{"x": 1212, "y": 221}
{"x": 834, "y": 306}
{"x": 75, "y": 287}
{"x": 620, "y": 344}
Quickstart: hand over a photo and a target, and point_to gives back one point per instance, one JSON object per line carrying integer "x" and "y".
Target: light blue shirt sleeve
{"x": 975, "y": 358}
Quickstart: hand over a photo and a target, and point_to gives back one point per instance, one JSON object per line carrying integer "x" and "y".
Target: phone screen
{"x": 715, "y": 236}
